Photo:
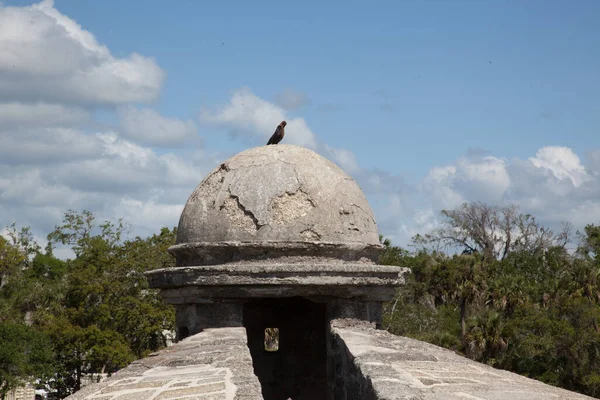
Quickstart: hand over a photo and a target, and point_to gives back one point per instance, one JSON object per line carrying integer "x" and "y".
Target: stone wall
{"x": 374, "y": 364}
{"x": 212, "y": 365}
{"x": 345, "y": 380}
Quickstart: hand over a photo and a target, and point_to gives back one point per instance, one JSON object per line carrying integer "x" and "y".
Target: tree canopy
{"x": 515, "y": 298}
{"x": 95, "y": 311}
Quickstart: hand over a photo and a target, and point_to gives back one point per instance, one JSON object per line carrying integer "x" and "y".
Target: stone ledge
{"x": 213, "y": 253}
{"x": 276, "y": 274}
{"x": 198, "y": 284}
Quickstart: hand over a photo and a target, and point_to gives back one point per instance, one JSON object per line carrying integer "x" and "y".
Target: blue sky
{"x": 408, "y": 88}
{"x": 429, "y": 61}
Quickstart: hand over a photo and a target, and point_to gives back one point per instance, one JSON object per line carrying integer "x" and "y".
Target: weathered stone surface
{"x": 214, "y": 364}
{"x": 283, "y": 195}
{"x": 374, "y": 364}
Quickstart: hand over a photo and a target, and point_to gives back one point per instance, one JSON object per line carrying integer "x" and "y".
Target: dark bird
{"x": 278, "y": 134}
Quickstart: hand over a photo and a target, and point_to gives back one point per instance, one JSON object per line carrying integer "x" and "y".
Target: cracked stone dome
{"x": 275, "y": 198}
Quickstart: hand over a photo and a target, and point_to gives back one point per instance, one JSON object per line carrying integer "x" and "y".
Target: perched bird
{"x": 278, "y": 134}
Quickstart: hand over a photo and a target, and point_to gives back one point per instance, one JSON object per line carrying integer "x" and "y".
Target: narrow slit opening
{"x": 271, "y": 339}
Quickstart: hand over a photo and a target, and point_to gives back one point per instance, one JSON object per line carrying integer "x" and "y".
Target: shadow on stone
{"x": 346, "y": 380}
{"x": 297, "y": 369}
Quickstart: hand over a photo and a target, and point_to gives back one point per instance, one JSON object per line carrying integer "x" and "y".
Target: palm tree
{"x": 486, "y": 338}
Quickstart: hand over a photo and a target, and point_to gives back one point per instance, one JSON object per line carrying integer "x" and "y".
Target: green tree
{"x": 84, "y": 350}
{"x": 12, "y": 260}
{"x": 23, "y": 239}
{"x": 25, "y": 355}
{"x": 589, "y": 246}
{"x": 392, "y": 255}
{"x": 108, "y": 315}
{"x": 486, "y": 338}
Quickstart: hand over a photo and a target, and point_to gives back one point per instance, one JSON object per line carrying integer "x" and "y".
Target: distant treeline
{"x": 491, "y": 283}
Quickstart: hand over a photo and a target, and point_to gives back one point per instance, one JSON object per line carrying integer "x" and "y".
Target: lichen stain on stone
{"x": 290, "y": 206}
{"x": 310, "y": 235}
{"x": 239, "y": 217}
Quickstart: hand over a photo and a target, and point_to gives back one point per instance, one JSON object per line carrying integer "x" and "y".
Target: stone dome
{"x": 277, "y": 196}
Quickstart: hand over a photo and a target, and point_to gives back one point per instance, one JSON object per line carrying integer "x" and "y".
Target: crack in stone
{"x": 312, "y": 203}
{"x": 248, "y": 213}
{"x": 244, "y": 210}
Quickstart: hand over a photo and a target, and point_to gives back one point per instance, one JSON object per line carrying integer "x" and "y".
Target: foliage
{"x": 96, "y": 311}
{"x": 515, "y": 298}
{"x": 24, "y": 355}
{"x": 11, "y": 260}
{"x": 521, "y": 303}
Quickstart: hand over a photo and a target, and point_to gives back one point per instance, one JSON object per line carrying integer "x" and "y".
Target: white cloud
{"x": 149, "y": 215}
{"x": 120, "y": 179}
{"x": 123, "y": 167}
{"x": 45, "y": 55}
{"x": 470, "y": 178}
{"x": 50, "y": 158}
{"x": 248, "y": 114}
{"x": 438, "y": 187}
{"x": 553, "y": 185}
{"x": 562, "y": 163}
{"x": 46, "y": 145}
{"x": 147, "y": 126}
{"x": 29, "y": 188}
{"x": 15, "y": 115}
{"x": 290, "y": 100}
{"x": 593, "y": 165}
